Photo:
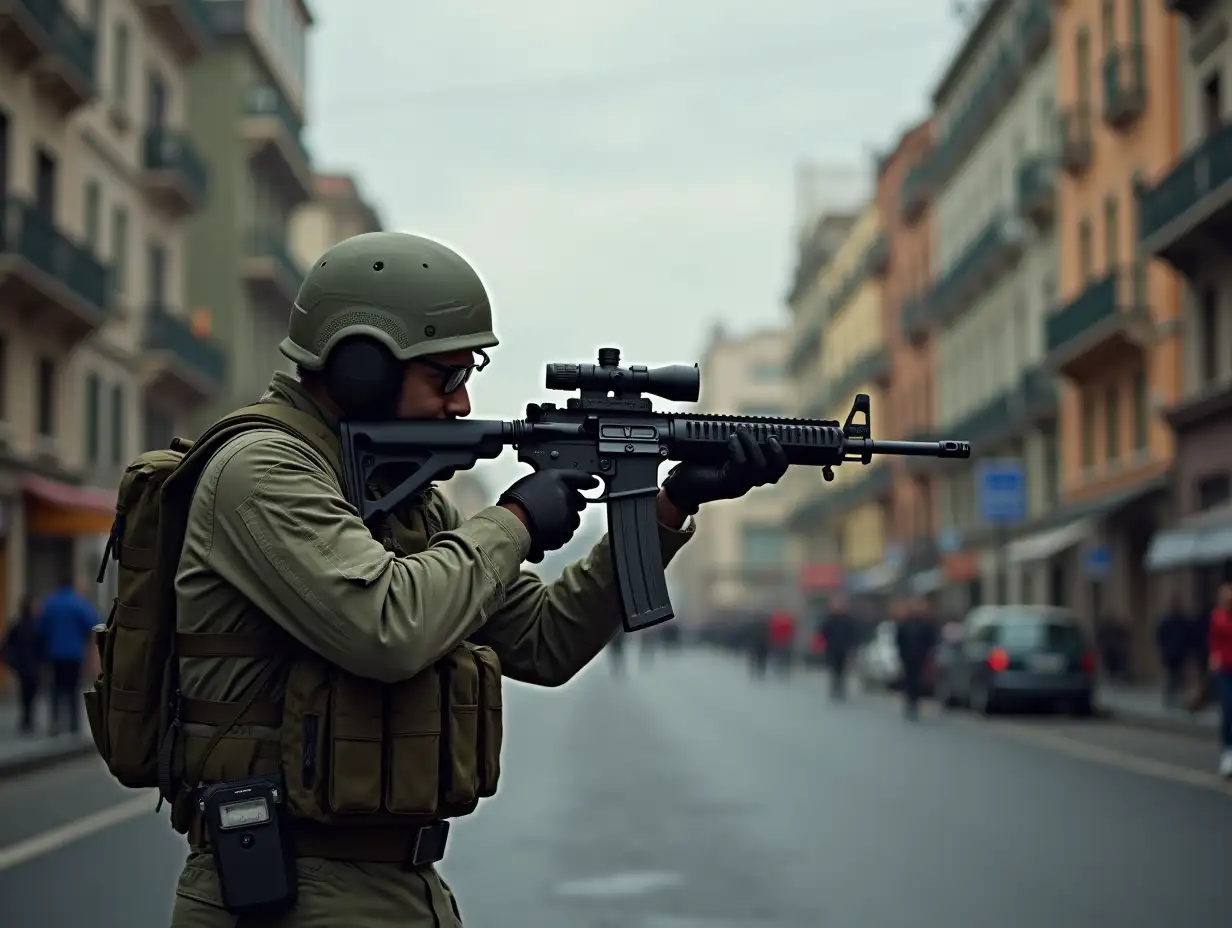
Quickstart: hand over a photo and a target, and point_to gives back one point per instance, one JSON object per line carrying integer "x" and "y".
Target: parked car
{"x": 1018, "y": 655}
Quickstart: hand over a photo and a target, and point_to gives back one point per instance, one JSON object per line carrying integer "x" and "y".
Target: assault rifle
{"x": 608, "y": 430}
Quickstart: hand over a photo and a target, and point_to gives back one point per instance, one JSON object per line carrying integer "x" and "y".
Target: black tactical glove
{"x": 747, "y": 466}
{"x": 552, "y": 501}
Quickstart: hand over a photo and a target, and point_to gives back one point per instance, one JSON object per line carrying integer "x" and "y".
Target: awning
{"x": 61, "y": 510}
{"x": 1203, "y": 538}
{"x": 1043, "y": 545}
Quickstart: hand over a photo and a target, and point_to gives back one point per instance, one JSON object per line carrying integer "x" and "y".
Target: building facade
{"x": 97, "y": 181}
{"x": 246, "y": 113}
{"x": 739, "y": 558}
{"x": 910, "y": 411}
{"x": 1184, "y": 221}
{"x": 1114, "y": 339}
{"x": 994, "y": 278}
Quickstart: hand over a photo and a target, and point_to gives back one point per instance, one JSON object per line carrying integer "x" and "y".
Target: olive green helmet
{"x": 412, "y": 294}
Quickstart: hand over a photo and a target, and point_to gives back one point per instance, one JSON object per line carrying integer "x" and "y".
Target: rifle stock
{"x": 612, "y": 432}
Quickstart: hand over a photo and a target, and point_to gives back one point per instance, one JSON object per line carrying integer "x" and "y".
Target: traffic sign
{"x": 1098, "y": 562}
{"x": 1002, "y": 489}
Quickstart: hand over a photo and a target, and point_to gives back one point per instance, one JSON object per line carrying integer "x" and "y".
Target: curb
{"x": 19, "y": 766}
{"x": 1179, "y": 726}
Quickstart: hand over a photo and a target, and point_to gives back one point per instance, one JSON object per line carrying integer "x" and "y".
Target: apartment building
{"x": 808, "y": 303}
{"x": 1184, "y": 218}
{"x": 994, "y": 276}
{"x": 850, "y": 510}
{"x": 740, "y": 558}
{"x": 910, "y": 408}
{"x": 336, "y": 211}
{"x": 96, "y": 183}
{"x": 1115, "y": 338}
{"x": 246, "y": 113}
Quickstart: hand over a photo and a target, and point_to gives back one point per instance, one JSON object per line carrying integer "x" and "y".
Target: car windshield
{"x": 1037, "y": 634}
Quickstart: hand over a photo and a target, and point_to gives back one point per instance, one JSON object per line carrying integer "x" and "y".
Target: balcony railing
{"x": 1091, "y": 307}
{"x": 169, "y": 150}
{"x": 267, "y": 101}
{"x": 1076, "y": 138}
{"x": 992, "y": 252}
{"x": 272, "y": 245}
{"x": 918, "y": 188}
{"x": 872, "y": 366}
{"x": 26, "y": 232}
{"x": 1124, "y": 84}
{"x": 1037, "y": 189}
{"x": 1199, "y": 174}
{"x": 166, "y": 331}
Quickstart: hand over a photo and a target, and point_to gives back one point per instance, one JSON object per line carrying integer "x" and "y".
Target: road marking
{"x": 637, "y": 883}
{"x": 56, "y": 838}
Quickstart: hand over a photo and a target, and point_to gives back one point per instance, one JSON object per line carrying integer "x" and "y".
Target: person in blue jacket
{"x": 66, "y": 623}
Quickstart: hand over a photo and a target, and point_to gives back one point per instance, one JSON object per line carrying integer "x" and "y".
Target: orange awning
{"x": 61, "y": 510}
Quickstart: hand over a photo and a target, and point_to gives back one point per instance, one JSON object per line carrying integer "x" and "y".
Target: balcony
{"x": 995, "y": 250}
{"x": 45, "y": 275}
{"x": 179, "y": 362}
{"x": 174, "y": 176}
{"x": 1106, "y": 324}
{"x": 1037, "y": 190}
{"x": 985, "y": 105}
{"x": 1076, "y": 145}
{"x": 1186, "y": 218}
{"x": 1124, "y": 85}
{"x": 183, "y": 24}
{"x": 915, "y": 318}
{"x": 275, "y": 141}
{"x": 1193, "y": 10}
{"x": 871, "y": 367}
{"x": 270, "y": 273}
{"x": 919, "y": 187}
{"x": 42, "y": 37}
{"x": 806, "y": 347}
{"x": 1035, "y": 30}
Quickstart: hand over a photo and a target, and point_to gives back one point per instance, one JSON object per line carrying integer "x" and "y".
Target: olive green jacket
{"x": 270, "y": 536}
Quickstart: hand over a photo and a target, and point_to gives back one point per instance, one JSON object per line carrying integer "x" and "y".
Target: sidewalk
{"x": 1145, "y": 706}
{"x": 22, "y": 753}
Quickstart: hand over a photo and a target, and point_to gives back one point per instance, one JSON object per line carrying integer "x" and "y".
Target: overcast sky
{"x": 620, "y": 172}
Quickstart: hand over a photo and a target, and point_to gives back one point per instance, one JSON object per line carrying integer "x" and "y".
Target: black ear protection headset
{"x": 364, "y": 378}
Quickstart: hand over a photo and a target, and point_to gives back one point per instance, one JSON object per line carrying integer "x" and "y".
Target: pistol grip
{"x": 637, "y": 558}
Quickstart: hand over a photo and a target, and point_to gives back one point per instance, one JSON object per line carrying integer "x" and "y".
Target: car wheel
{"x": 1082, "y": 707}
{"x": 980, "y": 698}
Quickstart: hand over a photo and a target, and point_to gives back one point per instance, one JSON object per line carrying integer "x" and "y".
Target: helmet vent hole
{"x": 379, "y": 266}
{"x": 425, "y": 266}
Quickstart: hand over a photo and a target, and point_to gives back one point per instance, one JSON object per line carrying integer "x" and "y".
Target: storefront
{"x": 63, "y": 527}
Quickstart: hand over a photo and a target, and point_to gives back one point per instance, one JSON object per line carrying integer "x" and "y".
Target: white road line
{"x": 56, "y": 838}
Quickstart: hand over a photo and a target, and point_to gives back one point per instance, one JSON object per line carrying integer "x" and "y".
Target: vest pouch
{"x": 491, "y": 731}
{"x": 356, "y": 717}
{"x": 413, "y": 745}
{"x": 460, "y": 722}
{"x": 129, "y": 652}
{"x": 96, "y": 697}
{"x": 304, "y": 738}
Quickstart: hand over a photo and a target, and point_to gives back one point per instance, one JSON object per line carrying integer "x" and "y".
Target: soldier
{"x": 386, "y": 326}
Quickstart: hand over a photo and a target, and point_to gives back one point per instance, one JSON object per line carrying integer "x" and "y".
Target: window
{"x": 117, "y": 425}
{"x": 119, "y": 64}
{"x": 4, "y": 378}
{"x": 1082, "y": 59}
{"x": 1086, "y": 249}
{"x": 1112, "y": 423}
{"x": 1052, "y": 467}
{"x": 1112, "y": 228}
{"x": 1213, "y": 490}
{"x": 1088, "y": 430}
{"x": 1141, "y": 409}
{"x": 119, "y": 247}
{"x": 94, "y": 402}
{"x": 1135, "y": 21}
{"x": 1107, "y": 26}
{"x": 156, "y": 267}
{"x": 762, "y": 546}
{"x": 46, "y": 397}
{"x": 1209, "y": 326}
{"x": 1212, "y": 105}
{"x": 93, "y": 215}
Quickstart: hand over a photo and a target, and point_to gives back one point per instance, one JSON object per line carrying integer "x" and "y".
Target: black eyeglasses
{"x": 453, "y": 376}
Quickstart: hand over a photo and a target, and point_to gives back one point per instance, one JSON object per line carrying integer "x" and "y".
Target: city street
{"x": 687, "y": 795}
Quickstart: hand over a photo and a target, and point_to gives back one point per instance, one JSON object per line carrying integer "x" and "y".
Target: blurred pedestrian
{"x": 1112, "y": 638}
{"x": 1219, "y": 644}
{"x": 782, "y": 640}
{"x": 1173, "y": 638}
{"x": 67, "y": 619}
{"x": 23, "y": 652}
{"x": 756, "y": 634}
{"x": 916, "y": 639}
{"x": 840, "y": 634}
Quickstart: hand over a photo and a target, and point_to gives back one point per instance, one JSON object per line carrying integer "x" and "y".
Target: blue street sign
{"x": 1098, "y": 562}
{"x": 1002, "y": 490}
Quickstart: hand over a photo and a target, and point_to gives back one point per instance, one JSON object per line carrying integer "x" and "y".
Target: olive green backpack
{"x": 130, "y": 707}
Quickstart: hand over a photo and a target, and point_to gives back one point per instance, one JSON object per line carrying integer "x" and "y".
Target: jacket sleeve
{"x": 284, "y": 535}
{"x": 544, "y": 633}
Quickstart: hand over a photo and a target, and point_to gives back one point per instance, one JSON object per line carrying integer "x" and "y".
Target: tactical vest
{"x": 363, "y": 763}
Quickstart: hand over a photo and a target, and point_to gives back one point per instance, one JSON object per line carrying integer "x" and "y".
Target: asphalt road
{"x": 689, "y": 796}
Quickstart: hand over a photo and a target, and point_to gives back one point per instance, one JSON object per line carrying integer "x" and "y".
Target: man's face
{"x": 424, "y": 385}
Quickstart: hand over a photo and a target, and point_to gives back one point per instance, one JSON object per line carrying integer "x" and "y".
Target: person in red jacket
{"x": 1219, "y": 646}
{"x": 782, "y": 628}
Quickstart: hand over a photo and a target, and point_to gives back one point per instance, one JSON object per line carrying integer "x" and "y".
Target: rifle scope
{"x": 675, "y": 382}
